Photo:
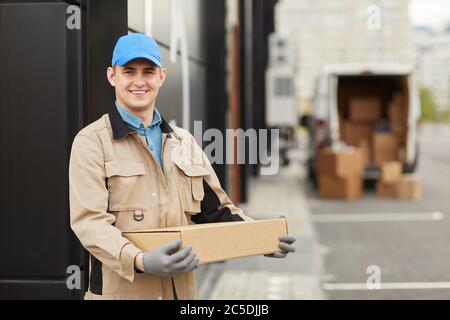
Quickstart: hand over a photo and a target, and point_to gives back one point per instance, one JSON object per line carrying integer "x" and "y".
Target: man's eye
{"x": 127, "y": 72}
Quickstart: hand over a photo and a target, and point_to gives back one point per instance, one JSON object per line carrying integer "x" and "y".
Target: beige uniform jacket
{"x": 117, "y": 185}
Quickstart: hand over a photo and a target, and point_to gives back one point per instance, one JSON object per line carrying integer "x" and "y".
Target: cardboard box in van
{"x": 354, "y": 132}
{"x": 385, "y": 147}
{"x": 365, "y": 109}
{"x": 340, "y": 163}
{"x": 397, "y": 120}
{"x": 365, "y": 146}
{"x": 391, "y": 171}
{"x": 396, "y": 113}
{"x": 216, "y": 241}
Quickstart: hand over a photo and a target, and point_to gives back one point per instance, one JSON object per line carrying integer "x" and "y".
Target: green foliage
{"x": 428, "y": 105}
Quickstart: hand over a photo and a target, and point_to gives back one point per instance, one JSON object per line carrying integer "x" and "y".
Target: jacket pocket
{"x": 124, "y": 169}
{"x": 191, "y": 186}
{"x": 125, "y": 182}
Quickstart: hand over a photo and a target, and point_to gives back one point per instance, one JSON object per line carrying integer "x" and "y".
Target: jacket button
{"x": 154, "y": 194}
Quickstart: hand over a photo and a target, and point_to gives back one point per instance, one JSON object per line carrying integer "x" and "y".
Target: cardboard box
{"x": 382, "y": 156}
{"x": 385, "y": 148}
{"x": 402, "y": 154}
{"x": 340, "y": 163}
{"x": 399, "y": 130}
{"x": 365, "y": 147}
{"x": 365, "y": 108}
{"x": 387, "y": 190}
{"x": 409, "y": 187}
{"x": 397, "y": 112}
{"x": 391, "y": 171}
{"x": 398, "y": 96}
{"x": 347, "y": 188}
{"x": 213, "y": 242}
{"x": 354, "y": 132}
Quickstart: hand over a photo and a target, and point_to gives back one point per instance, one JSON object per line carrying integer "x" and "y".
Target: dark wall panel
{"x": 56, "y": 84}
{"x": 104, "y": 22}
{"x": 37, "y": 103}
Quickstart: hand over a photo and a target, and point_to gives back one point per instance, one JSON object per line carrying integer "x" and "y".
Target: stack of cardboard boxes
{"x": 340, "y": 173}
{"x": 385, "y": 148}
{"x": 394, "y": 184}
{"x": 358, "y": 129}
{"x": 367, "y": 129}
{"x": 378, "y": 137}
{"x": 398, "y": 115}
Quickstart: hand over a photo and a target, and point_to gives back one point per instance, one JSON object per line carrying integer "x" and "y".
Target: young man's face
{"x": 137, "y": 84}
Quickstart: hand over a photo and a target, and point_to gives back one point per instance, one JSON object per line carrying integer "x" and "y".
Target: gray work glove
{"x": 163, "y": 263}
{"x": 285, "y": 245}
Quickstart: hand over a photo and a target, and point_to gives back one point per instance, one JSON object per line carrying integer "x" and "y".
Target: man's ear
{"x": 111, "y": 75}
{"x": 162, "y": 76}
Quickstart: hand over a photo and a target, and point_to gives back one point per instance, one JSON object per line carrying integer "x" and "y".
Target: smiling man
{"x": 130, "y": 170}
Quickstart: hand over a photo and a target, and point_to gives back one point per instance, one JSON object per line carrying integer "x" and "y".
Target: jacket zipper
{"x": 163, "y": 294}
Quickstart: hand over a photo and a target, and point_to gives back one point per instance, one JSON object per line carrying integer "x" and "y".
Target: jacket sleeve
{"x": 89, "y": 219}
{"x": 216, "y": 206}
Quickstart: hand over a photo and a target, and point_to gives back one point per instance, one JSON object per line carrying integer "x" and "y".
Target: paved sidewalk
{"x": 295, "y": 277}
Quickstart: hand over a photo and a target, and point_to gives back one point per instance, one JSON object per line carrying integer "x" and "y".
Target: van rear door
{"x": 414, "y": 113}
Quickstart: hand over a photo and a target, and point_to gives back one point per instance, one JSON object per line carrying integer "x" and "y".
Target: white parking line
{"x": 387, "y": 286}
{"x": 378, "y": 217}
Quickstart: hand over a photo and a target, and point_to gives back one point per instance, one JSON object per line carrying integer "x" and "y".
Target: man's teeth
{"x": 139, "y": 92}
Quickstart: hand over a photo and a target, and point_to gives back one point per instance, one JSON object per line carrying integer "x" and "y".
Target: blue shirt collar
{"x": 135, "y": 121}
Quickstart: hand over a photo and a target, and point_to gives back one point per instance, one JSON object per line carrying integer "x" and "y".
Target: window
{"x": 281, "y": 59}
{"x": 283, "y": 87}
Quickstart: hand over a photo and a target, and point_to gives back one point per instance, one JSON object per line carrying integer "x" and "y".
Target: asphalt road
{"x": 412, "y": 255}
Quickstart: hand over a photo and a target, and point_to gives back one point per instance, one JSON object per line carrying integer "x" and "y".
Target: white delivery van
{"x": 338, "y": 84}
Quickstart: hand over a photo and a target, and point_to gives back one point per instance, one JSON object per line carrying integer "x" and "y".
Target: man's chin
{"x": 139, "y": 106}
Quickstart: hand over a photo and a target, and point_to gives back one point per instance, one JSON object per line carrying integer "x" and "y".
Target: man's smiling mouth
{"x": 138, "y": 92}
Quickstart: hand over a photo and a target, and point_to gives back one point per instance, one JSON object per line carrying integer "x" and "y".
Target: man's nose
{"x": 139, "y": 80}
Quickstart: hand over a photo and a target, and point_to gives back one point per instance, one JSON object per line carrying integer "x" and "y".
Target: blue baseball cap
{"x": 136, "y": 46}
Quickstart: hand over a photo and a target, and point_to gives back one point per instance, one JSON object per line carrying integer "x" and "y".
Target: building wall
{"x": 433, "y": 65}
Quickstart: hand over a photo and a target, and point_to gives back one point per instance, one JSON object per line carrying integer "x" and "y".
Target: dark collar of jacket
{"x": 120, "y": 129}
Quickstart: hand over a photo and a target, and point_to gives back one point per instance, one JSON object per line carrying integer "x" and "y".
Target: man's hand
{"x": 285, "y": 245}
{"x": 163, "y": 263}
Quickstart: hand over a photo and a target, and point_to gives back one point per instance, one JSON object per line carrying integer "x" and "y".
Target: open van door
{"x": 414, "y": 115}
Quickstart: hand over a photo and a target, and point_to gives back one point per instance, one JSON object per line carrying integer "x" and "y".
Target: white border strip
{"x": 377, "y": 217}
{"x": 387, "y": 286}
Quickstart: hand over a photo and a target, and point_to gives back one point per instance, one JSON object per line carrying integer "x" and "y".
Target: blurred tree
{"x": 428, "y": 105}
